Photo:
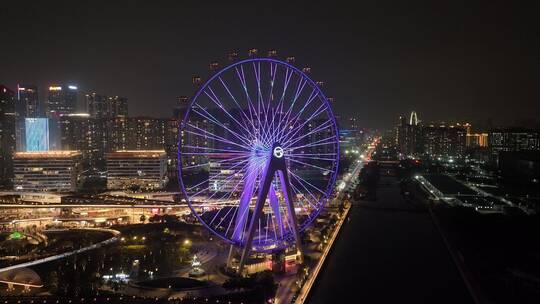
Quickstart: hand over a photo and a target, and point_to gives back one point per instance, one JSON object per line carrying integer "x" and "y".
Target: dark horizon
{"x": 451, "y": 62}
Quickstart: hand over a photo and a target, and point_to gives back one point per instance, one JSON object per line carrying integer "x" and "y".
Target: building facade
{"x": 409, "y": 135}
{"x": 62, "y": 100}
{"x": 146, "y": 169}
{"x": 7, "y": 133}
{"x": 512, "y": 140}
{"x": 27, "y": 96}
{"x": 101, "y": 106}
{"x": 445, "y": 141}
{"x": 41, "y": 134}
{"x": 82, "y": 133}
{"x": 47, "y": 171}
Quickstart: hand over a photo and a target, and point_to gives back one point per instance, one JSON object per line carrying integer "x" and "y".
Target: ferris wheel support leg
{"x": 261, "y": 198}
{"x": 284, "y": 178}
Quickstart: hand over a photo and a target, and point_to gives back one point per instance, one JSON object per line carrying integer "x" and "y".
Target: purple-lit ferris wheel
{"x": 259, "y": 154}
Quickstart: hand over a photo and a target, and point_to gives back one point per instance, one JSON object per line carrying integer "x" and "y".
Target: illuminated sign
{"x": 278, "y": 152}
{"x": 53, "y": 88}
{"x": 72, "y": 87}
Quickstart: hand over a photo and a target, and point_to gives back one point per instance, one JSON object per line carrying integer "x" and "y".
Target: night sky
{"x": 455, "y": 61}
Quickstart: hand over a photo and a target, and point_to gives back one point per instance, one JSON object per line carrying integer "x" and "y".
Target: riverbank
{"x": 306, "y": 288}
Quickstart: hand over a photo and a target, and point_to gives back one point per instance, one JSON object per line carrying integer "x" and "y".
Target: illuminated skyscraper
{"x": 444, "y": 140}
{"x": 85, "y": 134}
{"x": 172, "y": 136}
{"x": 36, "y": 134}
{"x": 61, "y": 100}
{"x": 27, "y": 96}
{"x": 97, "y": 105}
{"x": 180, "y": 110}
{"x": 409, "y": 135}
{"x": 7, "y": 132}
{"x": 512, "y": 140}
{"x": 117, "y": 106}
{"x": 101, "y": 106}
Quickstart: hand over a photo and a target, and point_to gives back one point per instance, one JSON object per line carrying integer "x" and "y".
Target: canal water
{"x": 389, "y": 251}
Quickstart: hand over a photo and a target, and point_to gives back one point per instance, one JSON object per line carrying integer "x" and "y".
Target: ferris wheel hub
{"x": 278, "y": 151}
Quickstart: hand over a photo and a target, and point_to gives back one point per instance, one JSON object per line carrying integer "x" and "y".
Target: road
{"x": 389, "y": 251}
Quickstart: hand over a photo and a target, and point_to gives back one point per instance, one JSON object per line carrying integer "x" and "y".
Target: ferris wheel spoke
{"x": 274, "y": 229}
{"x": 322, "y": 142}
{"x": 286, "y": 80}
{"x": 216, "y": 150}
{"x": 310, "y": 165}
{"x": 210, "y": 117}
{"x": 215, "y": 176}
{"x": 312, "y": 95}
{"x": 308, "y": 157}
{"x": 292, "y": 140}
{"x": 226, "y": 182}
{"x": 245, "y": 117}
{"x": 210, "y": 135}
{"x": 231, "y": 221}
{"x": 302, "y": 181}
{"x": 216, "y": 100}
{"x": 286, "y": 117}
{"x": 266, "y": 228}
{"x": 223, "y": 218}
{"x": 303, "y": 194}
{"x": 292, "y": 132}
{"x": 297, "y": 191}
{"x": 252, "y": 111}
{"x": 219, "y": 162}
{"x": 313, "y": 154}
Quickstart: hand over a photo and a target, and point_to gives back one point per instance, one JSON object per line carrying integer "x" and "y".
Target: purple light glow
{"x": 230, "y": 130}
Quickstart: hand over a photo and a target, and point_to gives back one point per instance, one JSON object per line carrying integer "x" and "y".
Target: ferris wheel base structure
{"x": 276, "y": 164}
{"x": 259, "y": 130}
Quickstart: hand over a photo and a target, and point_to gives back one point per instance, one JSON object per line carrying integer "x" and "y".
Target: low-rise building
{"x": 47, "y": 170}
{"x": 143, "y": 168}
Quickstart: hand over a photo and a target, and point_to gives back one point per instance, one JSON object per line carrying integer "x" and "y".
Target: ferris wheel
{"x": 259, "y": 154}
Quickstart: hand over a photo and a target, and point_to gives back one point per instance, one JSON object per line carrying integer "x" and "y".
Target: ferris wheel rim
{"x": 328, "y": 109}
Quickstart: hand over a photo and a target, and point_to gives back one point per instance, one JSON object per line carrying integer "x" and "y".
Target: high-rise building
{"x": 444, "y": 140}
{"x": 409, "y": 135}
{"x": 172, "y": 136}
{"x": 181, "y": 107}
{"x": 27, "y": 95}
{"x": 7, "y": 133}
{"x": 118, "y": 134}
{"x": 41, "y": 134}
{"x": 61, "y": 100}
{"x": 477, "y": 140}
{"x": 101, "y": 106}
{"x": 512, "y": 140}
{"x": 47, "y": 171}
{"x": 145, "y": 133}
{"x": 97, "y": 105}
{"x": 144, "y": 168}
{"x": 118, "y": 106}
{"x": 85, "y": 134}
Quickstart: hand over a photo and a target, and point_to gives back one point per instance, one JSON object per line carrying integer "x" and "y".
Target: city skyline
{"x": 190, "y": 152}
{"x": 385, "y": 58}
